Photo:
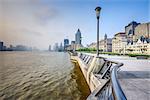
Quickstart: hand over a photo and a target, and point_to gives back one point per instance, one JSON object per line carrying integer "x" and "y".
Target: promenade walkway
{"x": 134, "y": 77}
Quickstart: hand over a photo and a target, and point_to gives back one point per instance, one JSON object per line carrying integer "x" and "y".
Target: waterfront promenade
{"x": 134, "y": 77}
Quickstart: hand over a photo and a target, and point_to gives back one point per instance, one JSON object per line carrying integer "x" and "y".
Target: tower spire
{"x": 105, "y": 37}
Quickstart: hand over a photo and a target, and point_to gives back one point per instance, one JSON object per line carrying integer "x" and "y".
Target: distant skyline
{"x": 40, "y": 23}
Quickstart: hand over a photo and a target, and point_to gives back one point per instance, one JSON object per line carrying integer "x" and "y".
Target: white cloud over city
{"x": 42, "y": 22}
{"x": 30, "y": 23}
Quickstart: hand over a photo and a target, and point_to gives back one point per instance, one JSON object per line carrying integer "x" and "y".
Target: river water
{"x": 40, "y": 76}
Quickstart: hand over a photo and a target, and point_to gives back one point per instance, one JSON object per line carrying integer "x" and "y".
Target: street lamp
{"x": 98, "y": 9}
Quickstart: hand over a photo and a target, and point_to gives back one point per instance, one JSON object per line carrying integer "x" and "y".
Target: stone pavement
{"x": 134, "y": 77}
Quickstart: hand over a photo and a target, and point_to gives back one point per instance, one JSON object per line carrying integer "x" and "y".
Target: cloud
{"x": 45, "y": 14}
{"x": 32, "y": 23}
{"x": 30, "y": 32}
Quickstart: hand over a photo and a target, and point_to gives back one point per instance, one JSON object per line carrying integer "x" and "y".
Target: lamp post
{"x": 98, "y": 9}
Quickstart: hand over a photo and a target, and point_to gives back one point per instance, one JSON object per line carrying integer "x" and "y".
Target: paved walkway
{"x": 134, "y": 77}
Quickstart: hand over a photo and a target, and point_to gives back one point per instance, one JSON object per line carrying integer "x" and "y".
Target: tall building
{"x": 49, "y": 48}
{"x": 105, "y": 37}
{"x": 78, "y": 37}
{"x": 66, "y": 43}
{"x": 130, "y": 31}
{"x": 78, "y": 40}
{"x": 61, "y": 47}
{"x": 56, "y": 48}
{"x": 142, "y": 30}
{"x": 1, "y": 46}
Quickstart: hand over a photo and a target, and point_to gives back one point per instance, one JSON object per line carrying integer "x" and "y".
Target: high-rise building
{"x": 49, "y": 48}
{"x": 61, "y": 47}
{"x": 56, "y": 48}
{"x": 1, "y": 46}
{"x": 66, "y": 43}
{"x": 78, "y": 37}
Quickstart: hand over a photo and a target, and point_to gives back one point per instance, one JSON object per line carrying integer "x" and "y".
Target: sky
{"x": 40, "y": 23}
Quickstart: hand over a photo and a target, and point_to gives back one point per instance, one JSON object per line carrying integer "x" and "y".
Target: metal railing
{"x": 117, "y": 90}
{"x": 111, "y": 90}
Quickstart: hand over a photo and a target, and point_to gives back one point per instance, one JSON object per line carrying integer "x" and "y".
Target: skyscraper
{"x": 78, "y": 37}
{"x": 1, "y": 46}
{"x": 61, "y": 47}
{"x": 66, "y": 43}
{"x": 49, "y": 48}
{"x": 56, "y": 47}
{"x": 105, "y": 37}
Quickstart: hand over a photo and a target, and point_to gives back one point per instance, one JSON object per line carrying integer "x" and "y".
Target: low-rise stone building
{"x": 105, "y": 45}
{"x": 118, "y": 42}
{"x": 140, "y": 47}
{"x": 92, "y": 45}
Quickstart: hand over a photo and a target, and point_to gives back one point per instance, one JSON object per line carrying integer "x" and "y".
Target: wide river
{"x": 40, "y": 76}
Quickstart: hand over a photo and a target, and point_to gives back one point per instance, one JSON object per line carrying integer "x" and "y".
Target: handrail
{"x": 119, "y": 94}
{"x": 111, "y": 90}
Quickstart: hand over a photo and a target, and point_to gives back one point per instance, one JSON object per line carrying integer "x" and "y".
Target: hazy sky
{"x": 43, "y": 22}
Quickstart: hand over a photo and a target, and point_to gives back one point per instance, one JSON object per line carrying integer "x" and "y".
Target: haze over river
{"x": 40, "y": 76}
